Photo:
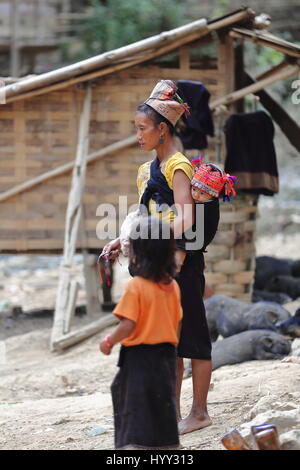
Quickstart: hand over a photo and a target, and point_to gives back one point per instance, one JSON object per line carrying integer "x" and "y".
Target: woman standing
{"x": 166, "y": 180}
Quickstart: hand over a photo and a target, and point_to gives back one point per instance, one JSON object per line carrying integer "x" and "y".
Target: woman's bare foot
{"x": 193, "y": 422}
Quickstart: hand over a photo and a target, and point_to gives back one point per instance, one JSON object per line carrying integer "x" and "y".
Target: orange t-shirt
{"x": 154, "y": 307}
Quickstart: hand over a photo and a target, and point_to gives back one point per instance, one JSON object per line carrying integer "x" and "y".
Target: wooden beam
{"x": 230, "y": 19}
{"x": 287, "y": 72}
{"x": 77, "y": 336}
{"x": 20, "y": 188}
{"x": 287, "y": 124}
{"x": 267, "y": 40}
{"x": 271, "y": 72}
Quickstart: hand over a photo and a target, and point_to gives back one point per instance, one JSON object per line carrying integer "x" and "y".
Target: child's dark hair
{"x": 152, "y": 251}
{"x": 155, "y": 116}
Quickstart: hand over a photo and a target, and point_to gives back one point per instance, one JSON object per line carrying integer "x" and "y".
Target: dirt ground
{"x": 53, "y": 401}
{"x": 62, "y": 400}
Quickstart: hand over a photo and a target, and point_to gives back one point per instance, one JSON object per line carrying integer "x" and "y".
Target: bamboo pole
{"x": 20, "y": 188}
{"x": 124, "y": 65}
{"x": 65, "y": 300}
{"x": 287, "y": 72}
{"x": 74, "y": 208}
{"x": 241, "y": 15}
{"x": 161, "y": 44}
{"x": 107, "y": 58}
{"x": 70, "y": 308}
{"x": 270, "y": 72}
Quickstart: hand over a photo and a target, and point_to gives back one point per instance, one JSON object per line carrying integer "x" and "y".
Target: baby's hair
{"x": 152, "y": 251}
{"x": 214, "y": 168}
{"x": 155, "y": 116}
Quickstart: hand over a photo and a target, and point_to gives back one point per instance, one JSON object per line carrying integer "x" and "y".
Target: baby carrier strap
{"x": 157, "y": 188}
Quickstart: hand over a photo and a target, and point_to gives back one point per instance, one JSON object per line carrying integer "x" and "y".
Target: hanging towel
{"x": 251, "y": 154}
{"x": 198, "y": 124}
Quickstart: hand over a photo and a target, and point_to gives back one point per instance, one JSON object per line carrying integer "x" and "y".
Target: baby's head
{"x": 210, "y": 182}
{"x": 199, "y": 195}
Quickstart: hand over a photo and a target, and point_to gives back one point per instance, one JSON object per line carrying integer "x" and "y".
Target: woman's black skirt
{"x": 194, "y": 340}
{"x": 143, "y": 395}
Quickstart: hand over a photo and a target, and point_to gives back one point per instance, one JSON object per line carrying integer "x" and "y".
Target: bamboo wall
{"x": 40, "y": 133}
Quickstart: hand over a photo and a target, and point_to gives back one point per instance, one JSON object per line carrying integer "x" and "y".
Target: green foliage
{"x": 116, "y": 23}
{"x": 259, "y": 58}
{"x": 221, "y": 8}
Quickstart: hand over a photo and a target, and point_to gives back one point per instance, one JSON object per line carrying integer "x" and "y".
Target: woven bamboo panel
{"x": 238, "y": 238}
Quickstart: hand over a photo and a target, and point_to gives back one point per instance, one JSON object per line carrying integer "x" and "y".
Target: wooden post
{"x": 65, "y": 301}
{"x": 239, "y": 72}
{"x": 92, "y": 285}
{"x": 70, "y": 307}
{"x": 226, "y": 64}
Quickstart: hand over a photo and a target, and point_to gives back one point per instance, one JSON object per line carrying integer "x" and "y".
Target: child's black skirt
{"x": 143, "y": 395}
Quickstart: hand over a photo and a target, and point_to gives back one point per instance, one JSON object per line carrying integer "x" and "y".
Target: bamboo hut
{"x": 68, "y": 145}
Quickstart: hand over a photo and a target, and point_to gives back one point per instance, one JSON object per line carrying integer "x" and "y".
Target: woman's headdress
{"x": 165, "y": 100}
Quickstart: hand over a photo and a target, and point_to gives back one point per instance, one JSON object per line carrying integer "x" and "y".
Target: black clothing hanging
{"x": 198, "y": 124}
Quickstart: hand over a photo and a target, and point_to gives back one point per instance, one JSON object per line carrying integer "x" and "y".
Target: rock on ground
{"x": 285, "y": 415}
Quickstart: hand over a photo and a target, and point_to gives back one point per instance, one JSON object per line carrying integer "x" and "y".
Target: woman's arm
{"x": 183, "y": 198}
{"x": 123, "y": 330}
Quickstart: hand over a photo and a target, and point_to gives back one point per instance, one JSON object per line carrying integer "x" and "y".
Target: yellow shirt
{"x": 177, "y": 162}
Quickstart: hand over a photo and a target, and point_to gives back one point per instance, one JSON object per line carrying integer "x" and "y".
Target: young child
{"x": 208, "y": 184}
{"x": 143, "y": 391}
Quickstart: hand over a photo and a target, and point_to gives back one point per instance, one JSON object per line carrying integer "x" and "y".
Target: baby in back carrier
{"x": 208, "y": 184}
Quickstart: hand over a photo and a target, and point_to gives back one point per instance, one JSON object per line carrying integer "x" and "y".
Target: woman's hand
{"x": 112, "y": 249}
